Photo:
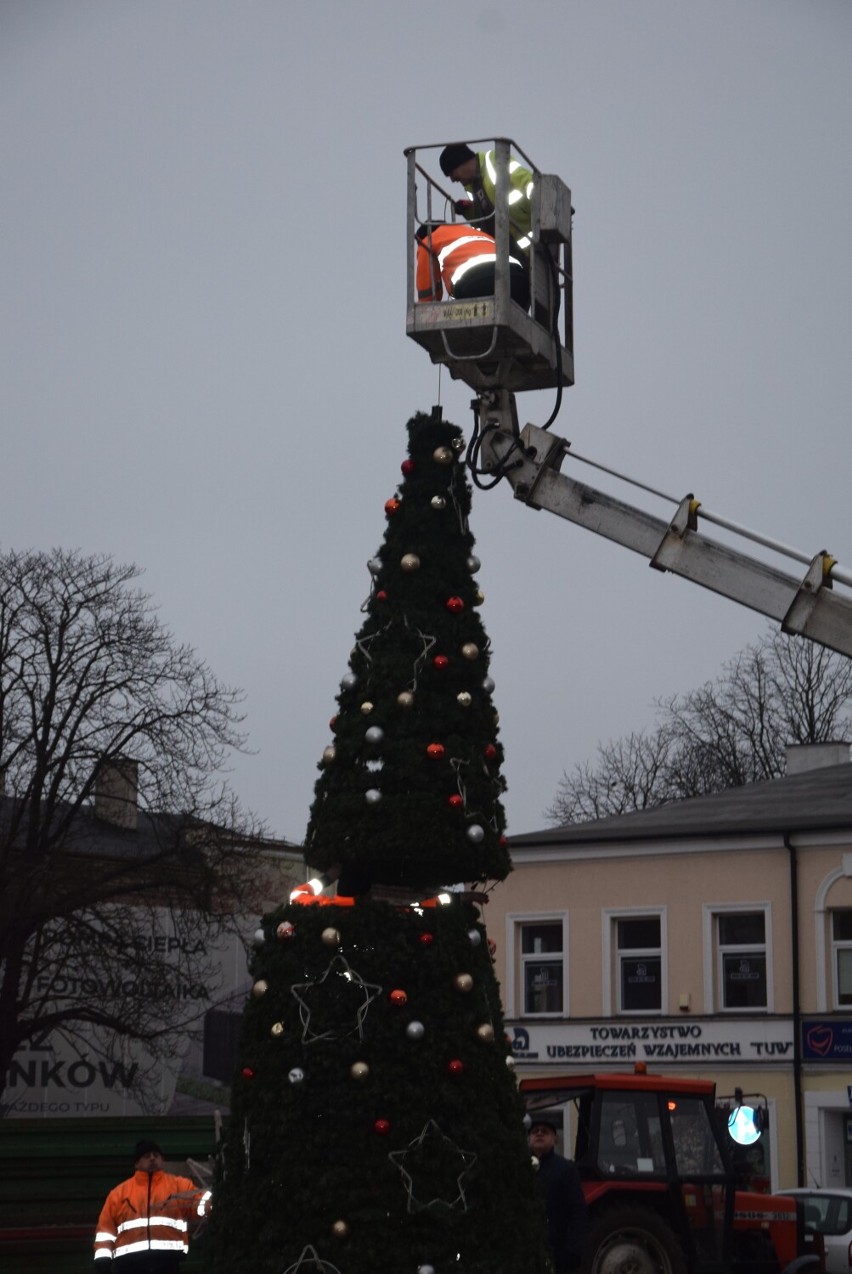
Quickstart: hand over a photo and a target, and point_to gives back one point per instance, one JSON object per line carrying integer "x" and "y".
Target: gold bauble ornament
{"x": 340, "y": 1229}
{"x": 410, "y": 562}
{"x": 260, "y": 988}
{"x": 463, "y": 982}
{"x": 331, "y": 937}
{"x": 470, "y": 650}
{"x": 443, "y": 455}
{"x": 485, "y": 1032}
{"x": 359, "y": 1070}
{"x": 405, "y": 699}
{"x": 276, "y": 1029}
{"x": 438, "y": 502}
{"x": 478, "y": 597}
{"x": 464, "y": 699}
{"x": 457, "y": 443}
{"x": 329, "y": 753}
{"x": 366, "y": 707}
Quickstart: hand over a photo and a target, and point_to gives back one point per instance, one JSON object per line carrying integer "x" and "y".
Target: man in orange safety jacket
{"x": 463, "y": 260}
{"x": 144, "y": 1223}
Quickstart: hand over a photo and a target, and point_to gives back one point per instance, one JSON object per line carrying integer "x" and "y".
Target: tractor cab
{"x": 491, "y": 342}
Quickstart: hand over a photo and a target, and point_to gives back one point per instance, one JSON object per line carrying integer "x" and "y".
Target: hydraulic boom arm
{"x": 806, "y": 604}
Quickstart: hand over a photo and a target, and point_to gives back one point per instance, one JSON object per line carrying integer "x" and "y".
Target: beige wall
{"x": 585, "y": 884}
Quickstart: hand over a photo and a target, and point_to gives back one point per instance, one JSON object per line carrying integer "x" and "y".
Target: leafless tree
{"x": 782, "y": 690}
{"x": 106, "y": 932}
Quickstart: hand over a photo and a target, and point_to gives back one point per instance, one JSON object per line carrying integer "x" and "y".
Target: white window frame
{"x": 713, "y": 952}
{"x": 515, "y": 924}
{"x": 838, "y": 945}
{"x": 611, "y": 963}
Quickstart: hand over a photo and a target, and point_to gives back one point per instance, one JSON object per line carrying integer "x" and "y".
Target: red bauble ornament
{"x": 247, "y": 1072}
{"x": 391, "y": 507}
{"x": 435, "y": 751}
{"x": 398, "y": 999}
{"x": 490, "y": 752}
{"x": 408, "y": 467}
{"x": 382, "y": 1127}
{"x": 455, "y": 801}
{"x": 426, "y": 939}
{"x": 455, "y": 605}
{"x": 504, "y": 841}
{"x": 440, "y": 662}
{"x": 332, "y": 723}
{"x": 381, "y": 596}
{"x": 455, "y": 1067}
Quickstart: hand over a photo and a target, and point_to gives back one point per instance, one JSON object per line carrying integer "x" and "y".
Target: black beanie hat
{"x": 452, "y": 156}
{"x": 145, "y": 1148}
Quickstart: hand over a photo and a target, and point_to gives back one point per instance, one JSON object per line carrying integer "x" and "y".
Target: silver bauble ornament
{"x": 510, "y": 1061}
{"x": 375, "y": 734}
{"x": 443, "y": 455}
{"x": 488, "y": 685}
{"x": 415, "y": 1030}
{"x": 438, "y": 502}
{"x": 474, "y": 937}
{"x": 349, "y": 681}
{"x": 425, "y": 1269}
{"x": 331, "y": 936}
{"x": 473, "y": 563}
{"x": 372, "y": 796}
{"x": 259, "y": 937}
{"x": 410, "y": 562}
{"x": 374, "y": 565}
{"x": 475, "y": 834}
{"x": 296, "y": 1075}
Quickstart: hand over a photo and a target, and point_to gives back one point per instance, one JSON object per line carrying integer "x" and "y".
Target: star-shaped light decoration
{"x": 434, "y": 1157}
{"x": 310, "y": 1260}
{"x": 340, "y": 989}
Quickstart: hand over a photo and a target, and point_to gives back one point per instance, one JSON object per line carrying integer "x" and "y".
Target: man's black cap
{"x": 145, "y": 1148}
{"x": 452, "y": 156}
{"x": 545, "y": 1122}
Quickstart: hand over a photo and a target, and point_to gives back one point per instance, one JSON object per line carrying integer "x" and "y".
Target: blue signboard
{"x": 828, "y": 1040}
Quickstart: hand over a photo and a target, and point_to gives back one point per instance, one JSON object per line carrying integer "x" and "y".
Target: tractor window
{"x": 630, "y": 1138}
{"x": 696, "y": 1150}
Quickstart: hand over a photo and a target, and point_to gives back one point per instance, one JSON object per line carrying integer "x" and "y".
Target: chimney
{"x": 802, "y": 757}
{"x": 116, "y": 793}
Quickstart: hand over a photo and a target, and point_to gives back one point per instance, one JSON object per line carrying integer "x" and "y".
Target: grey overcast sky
{"x": 204, "y": 361}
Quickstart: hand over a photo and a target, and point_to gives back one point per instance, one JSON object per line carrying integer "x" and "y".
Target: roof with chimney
{"x": 812, "y": 799}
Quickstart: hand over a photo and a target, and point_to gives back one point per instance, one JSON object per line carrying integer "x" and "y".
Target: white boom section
{"x": 805, "y": 605}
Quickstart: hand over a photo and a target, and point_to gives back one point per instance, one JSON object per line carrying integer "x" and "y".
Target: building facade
{"x": 709, "y": 938}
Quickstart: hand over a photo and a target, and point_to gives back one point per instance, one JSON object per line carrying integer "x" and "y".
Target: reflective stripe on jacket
{"x": 446, "y": 254}
{"x": 148, "y": 1213}
{"x": 483, "y": 193}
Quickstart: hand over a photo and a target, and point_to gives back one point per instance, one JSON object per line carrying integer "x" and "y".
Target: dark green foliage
{"x": 411, "y": 835}
{"x": 302, "y": 1156}
{"x": 428, "y": 1169}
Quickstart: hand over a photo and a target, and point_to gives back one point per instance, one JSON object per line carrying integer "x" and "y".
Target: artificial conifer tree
{"x": 376, "y": 1126}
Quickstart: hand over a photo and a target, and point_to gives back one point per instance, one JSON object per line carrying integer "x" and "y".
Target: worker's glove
{"x": 463, "y": 206}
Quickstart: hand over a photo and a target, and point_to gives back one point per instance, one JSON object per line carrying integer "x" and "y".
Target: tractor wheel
{"x": 630, "y": 1240}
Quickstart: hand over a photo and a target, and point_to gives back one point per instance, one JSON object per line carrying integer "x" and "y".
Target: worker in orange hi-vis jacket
{"x": 145, "y": 1222}
{"x": 462, "y": 260}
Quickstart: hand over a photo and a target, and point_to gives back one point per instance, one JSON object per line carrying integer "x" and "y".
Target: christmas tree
{"x": 376, "y": 1126}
